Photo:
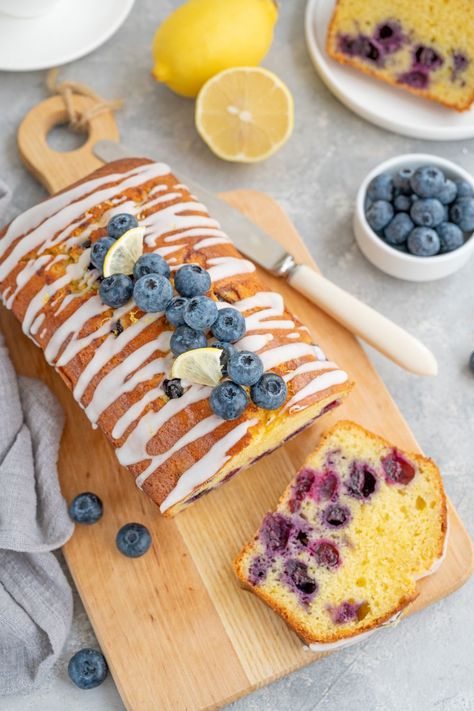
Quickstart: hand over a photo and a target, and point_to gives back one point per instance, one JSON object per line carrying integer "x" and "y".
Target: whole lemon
{"x": 203, "y": 37}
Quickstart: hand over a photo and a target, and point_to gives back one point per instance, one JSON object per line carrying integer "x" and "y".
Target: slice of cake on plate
{"x": 354, "y": 531}
{"x": 424, "y": 47}
{"x": 117, "y": 359}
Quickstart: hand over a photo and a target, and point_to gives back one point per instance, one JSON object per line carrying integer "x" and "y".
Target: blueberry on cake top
{"x": 117, "y": 277}
{"x": 356, "y": 528}
{"x": 424, "y": 47}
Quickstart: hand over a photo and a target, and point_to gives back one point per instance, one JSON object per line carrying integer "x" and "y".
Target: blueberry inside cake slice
{"x": 425, "y": 47}
{"x": 360, "y": 523}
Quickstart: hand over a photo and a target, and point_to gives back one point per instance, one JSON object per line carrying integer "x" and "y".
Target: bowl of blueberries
{"x": 414, "y": 217}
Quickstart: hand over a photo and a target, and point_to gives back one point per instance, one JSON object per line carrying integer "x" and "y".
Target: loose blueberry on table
{"x": 421, "y": 212}
{"x": 87, "y": 669}
{"x": 86, "y": 508}
{"x": 133, "y": 540}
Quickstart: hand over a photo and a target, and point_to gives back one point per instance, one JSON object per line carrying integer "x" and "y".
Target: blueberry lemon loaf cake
{"x": 360, "y": 523}
{"x": 425, "y": 47}
{"x": 161, "y": 329}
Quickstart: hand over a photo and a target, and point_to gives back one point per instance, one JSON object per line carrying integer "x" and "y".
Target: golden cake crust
{"x": 403, "y": 602}
{"x": 57, "y": 310}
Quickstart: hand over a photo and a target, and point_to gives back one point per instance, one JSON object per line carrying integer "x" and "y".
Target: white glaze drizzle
{"x": 323, "y": 382}
{"x": 53, "y": 224}
{"x": 202, "y": 470}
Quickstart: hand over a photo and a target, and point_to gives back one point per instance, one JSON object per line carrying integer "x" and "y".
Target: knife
{"x": 362, "y": 320}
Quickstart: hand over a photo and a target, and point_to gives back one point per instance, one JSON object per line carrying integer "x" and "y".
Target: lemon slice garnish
{"x": 121, "y": 257}
{"x": 244, "y": 114}
{"x": 201, "y": 366}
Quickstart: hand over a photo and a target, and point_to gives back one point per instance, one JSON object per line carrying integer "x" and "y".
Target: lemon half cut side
{"x": 244, "y": 114}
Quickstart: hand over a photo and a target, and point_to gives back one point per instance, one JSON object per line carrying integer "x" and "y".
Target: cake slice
{"x": 360, "y": 523}
{"x": 424, "y": 47}
{"x": 118, "y": 361}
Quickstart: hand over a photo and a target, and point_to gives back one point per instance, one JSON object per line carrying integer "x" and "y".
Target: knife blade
{"x": 362, "y": 320}
{"x": 248, "y": 237}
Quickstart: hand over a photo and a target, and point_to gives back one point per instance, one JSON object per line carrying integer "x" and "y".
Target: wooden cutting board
{"x": 176, "y": 629}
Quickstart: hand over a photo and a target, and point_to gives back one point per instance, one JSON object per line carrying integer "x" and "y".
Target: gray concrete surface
{"x": 427, "y": 662}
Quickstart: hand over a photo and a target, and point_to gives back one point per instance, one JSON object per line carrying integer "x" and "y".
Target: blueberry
{"x": 326, "y": 554}
{"x": 390, "y": 36}
{"x": 117, "y": 328}
{"x": 192, "y": 280}
{"x": 186, "y": 339}
{"x": 229, "y": 325}
{"x": 397, "y": 469}
{"x": 87, "y": 668}
{"x": 471, "y": 362}
{"x": 398, "y": 229}
{"x": 362, "y": 480}
{"x": 464, "y": 188}
{"x": 448, "y": 192}
{"x": 227, "y": 351}
{"x": 379, "y": 215}
{"x": 152, "y": 292}
{"x": 402, "y": 203}
{"x": 427, "y": 181}
{"x": 151, "y": 263}
{"x": 175, "y": 310}
{"x": 228, "y": 400}
{"x": 381, "y": 188}
{"x": 200, "y": 312}
{"x": 450, "y": 236}
{"x": 416, "y": 78}
{"x": 245, "y": 368}
{"x": 297, "y": 573}
{"x": 99, "y": 250}
{"x": 270, "y": 392}
{"x": 336, "y": 515}
{"x": 173, "y": 388}
{"x": 401, "y": 180}
{"x": 116, "y": 290}
{"x": 427, "y": 212}
{"x": 119, "y": 224}
{"x": 428, "y": 58}
{"x": 423, "y": 242}
{"x": 86, "y": 508}
{"x": 275, "y": 532}
{"x": 462, "y": 213}
{"x": 133, "y": 540}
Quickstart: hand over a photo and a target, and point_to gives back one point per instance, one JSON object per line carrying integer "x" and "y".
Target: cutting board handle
{"x": 56, "y": 170}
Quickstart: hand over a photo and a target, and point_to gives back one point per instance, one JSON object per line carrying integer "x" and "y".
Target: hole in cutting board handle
{"x": 63, "y": 139}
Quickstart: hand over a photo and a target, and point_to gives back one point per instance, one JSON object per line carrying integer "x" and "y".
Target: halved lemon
{"x": 244, "y": 114}
{"x": 121, "y": 257}
{"x": 201, "y": 366}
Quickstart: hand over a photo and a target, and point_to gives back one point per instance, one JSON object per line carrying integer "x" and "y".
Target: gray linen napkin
{"x": 35, "y": 597}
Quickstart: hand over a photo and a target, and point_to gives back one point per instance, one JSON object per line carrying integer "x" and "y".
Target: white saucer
{"x": 70, "y": 30}
{"x": 380, "y": 103}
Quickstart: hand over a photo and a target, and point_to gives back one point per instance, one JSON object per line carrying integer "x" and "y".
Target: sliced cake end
{"x": 425, "y": 48}
{"x": 359, "y": 524}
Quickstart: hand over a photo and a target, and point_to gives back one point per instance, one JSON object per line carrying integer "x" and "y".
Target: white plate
{"x": 380, "y": 103}
{"x": 70, "y": 30}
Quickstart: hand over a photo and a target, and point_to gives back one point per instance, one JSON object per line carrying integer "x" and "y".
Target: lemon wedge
{"x": 244, "y": 114}
{"x": 122, "y": 255}
{"x": 201, "y": 366}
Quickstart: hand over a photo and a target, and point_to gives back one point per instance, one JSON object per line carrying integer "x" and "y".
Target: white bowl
{"x": 390, "y": 260}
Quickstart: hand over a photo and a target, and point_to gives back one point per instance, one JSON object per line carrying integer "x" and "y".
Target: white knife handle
{"x": 363, "y": 321}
